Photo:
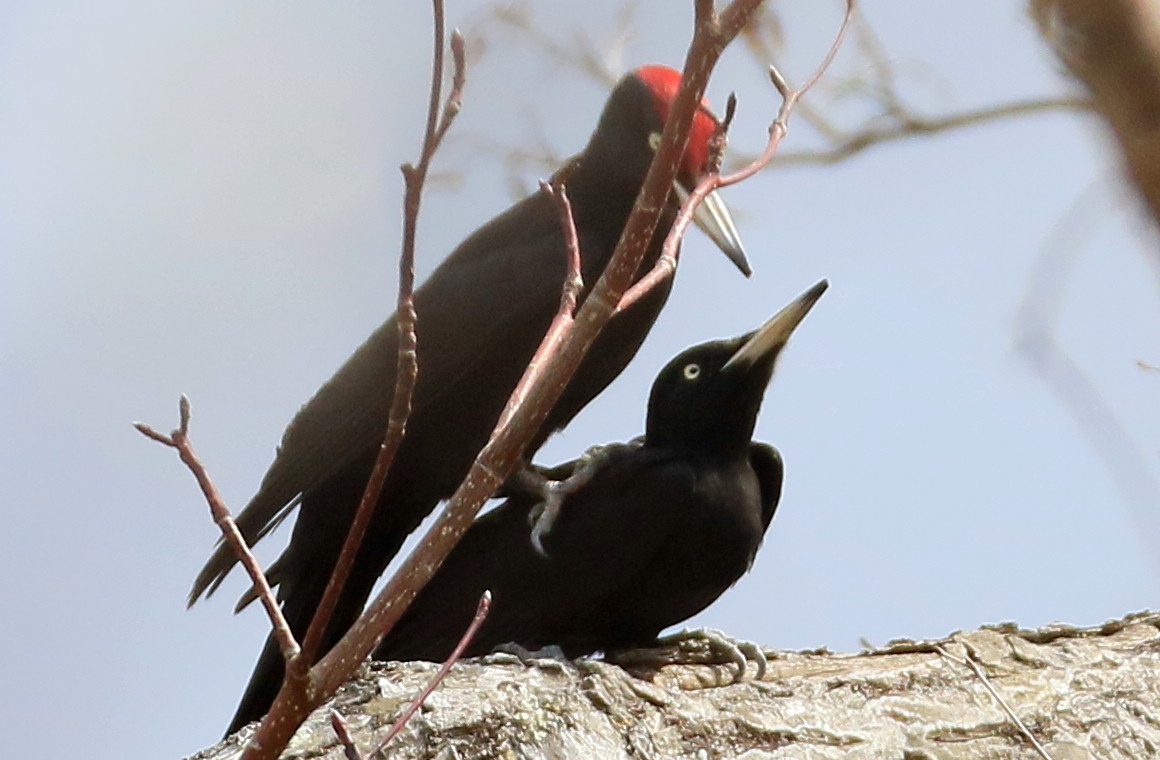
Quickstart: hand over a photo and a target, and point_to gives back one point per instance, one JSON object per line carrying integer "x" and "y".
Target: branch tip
{"x": 342, "y": 731}
{"x": 149, "y": 432}
{"x": 779, "y": 81}
{"x": 480, "y": 615}
{"x": 730, "y": 111}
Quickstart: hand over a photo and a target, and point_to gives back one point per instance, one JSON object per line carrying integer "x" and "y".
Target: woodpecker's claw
{"x": 705, "y": 644}
{"x": 551, "y": 657}
{"x": 552, "y": 493}
{"x": 698, "y": 646}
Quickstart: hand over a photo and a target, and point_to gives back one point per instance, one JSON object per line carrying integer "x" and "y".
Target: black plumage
{"x": 657, "y": 531}
{"x": 481, "y": 314}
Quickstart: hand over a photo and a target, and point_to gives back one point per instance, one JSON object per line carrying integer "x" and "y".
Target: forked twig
{"x": 975, "y": 668}
{"x": 666, "y": 264}
{"x": 179, "y": 439}
{"x": 911, "y": 125}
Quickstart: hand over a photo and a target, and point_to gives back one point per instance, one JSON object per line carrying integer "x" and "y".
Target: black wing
{"x": 766, "y": 462}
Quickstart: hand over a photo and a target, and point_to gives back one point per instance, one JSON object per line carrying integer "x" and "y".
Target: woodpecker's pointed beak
{"x": 774, "y": 334}
{"x": 714, "y": 219}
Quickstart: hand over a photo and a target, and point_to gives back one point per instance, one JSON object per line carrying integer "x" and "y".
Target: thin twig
{"x": 910, "y": 125}
{"x": 407, "y": 364}
{"x": 666, "y": 264}
{"x": 573, "y": 284}
{"x": 970, "y": 662}
{"x": 179, "y": 439}
{"x": 342, "y": 731}
{"x": 300, "y": 690}
{"x": 481, "y": 611}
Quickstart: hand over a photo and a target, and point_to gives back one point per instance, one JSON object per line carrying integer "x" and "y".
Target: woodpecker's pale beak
{"x": 714, "y": 219}
{"x": 774, "y": 334}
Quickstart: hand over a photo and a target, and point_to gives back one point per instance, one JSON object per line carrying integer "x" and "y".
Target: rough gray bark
{"x": 1083, "y": 693}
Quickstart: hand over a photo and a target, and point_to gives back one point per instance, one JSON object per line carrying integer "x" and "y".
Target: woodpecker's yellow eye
{"x": 691, "y": 371}
{"x": 654, "y": 140}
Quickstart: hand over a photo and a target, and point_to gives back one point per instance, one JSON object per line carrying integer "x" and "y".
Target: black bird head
{"x": 708, "y": 397}
{"x": 622, "y": 147}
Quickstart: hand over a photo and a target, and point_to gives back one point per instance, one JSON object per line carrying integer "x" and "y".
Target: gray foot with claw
{"x": 553, "y": 492}
{"x": 699, "y": 646}
{"x": 550, "y": 658}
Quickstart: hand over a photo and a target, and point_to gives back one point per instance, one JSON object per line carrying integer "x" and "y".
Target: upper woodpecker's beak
{"x": 774, "y": 334}
{"x": 713, "y": 217}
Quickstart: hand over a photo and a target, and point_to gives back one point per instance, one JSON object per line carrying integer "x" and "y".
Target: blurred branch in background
{"x": 892, "y": 118}
{"x": 1113, "y": 48}
{"x": 877, "y": 88}
{"x": 1036, "y": 343}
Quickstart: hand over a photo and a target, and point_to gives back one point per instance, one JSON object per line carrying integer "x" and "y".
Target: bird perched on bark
{"x": 481, "y": 315}
{"x": 648, "y": 534}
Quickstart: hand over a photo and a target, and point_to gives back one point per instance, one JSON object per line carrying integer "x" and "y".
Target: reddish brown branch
{"x": 342, "y": 731}
{"x": 338, "y": 723}
{"x": 481, "y": 611}
{"x": 179, "y": 439}
{"x": 407, "y": 365}
{"x": 666, "y": 264}
{"x": 908, "y": 125}
{"x": 300, "y": 692}
{"x": 573, "y": 284}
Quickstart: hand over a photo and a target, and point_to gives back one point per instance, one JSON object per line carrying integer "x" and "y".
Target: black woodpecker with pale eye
{"x": 481, "y": 315}
{"x": 654, "y": 534}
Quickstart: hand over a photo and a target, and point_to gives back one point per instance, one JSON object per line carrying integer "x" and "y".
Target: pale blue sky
{"x": 203, "y": 199}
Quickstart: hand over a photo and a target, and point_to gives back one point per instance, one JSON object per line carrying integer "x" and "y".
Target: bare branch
{"x": 666, "y": 264}
{"x": 580, "y": 54}
{"x": 481, "y": 611}
{"x": 907, "y": 125}
{"x": 573, "y": 284}
{"x": 300, "y": 692}
{"x": 342, "y": 731}
{"x": 338, "y": 723}
{"x": 1036, "y": 343}
{"x": 407, "y": 365}
{"x": 179, "y": 439}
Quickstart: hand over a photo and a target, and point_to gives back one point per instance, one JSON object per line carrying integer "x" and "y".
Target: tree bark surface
{"x": 1082, "y": 692}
